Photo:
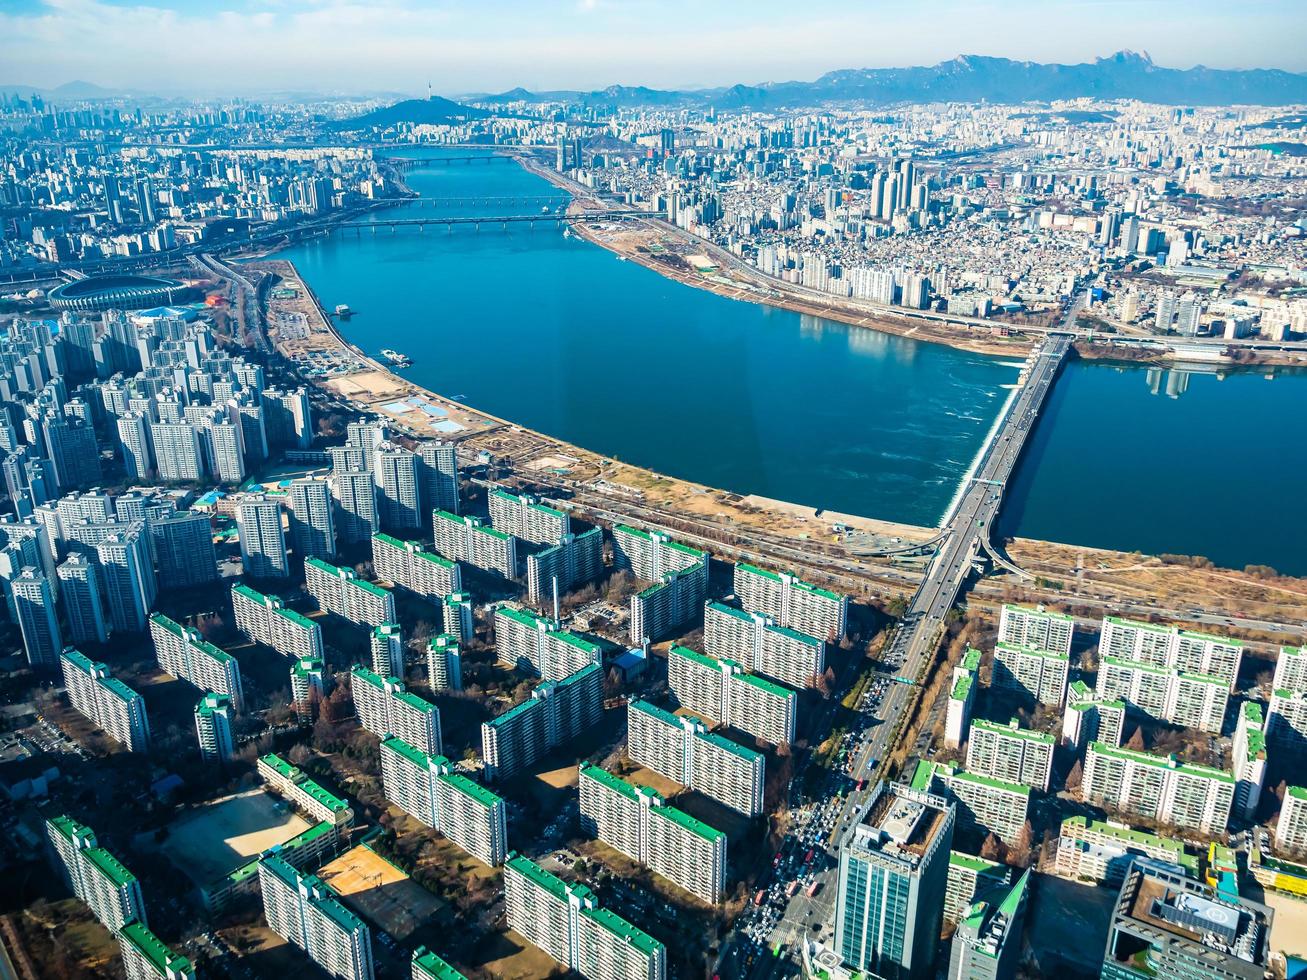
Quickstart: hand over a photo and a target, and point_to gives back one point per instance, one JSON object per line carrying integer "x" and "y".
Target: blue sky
{"x": 245, "y": 46}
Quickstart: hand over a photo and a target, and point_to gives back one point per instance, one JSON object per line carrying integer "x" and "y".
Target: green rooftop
{"x": 471, "y": 789}
{"x": 606, "y": 779}
{"x": 428, "y": 964}
{"x": 971, "y": 659}
{"x": 683, "y": 819}
{"x": 172, "y": 626}
{"x": 1031, "y": 651}
{"x": 1016, "y": 789}
{"x": 523, "y": 616}
{"x": 776, "y": 690}
{"x": 1013, "y": 730}
{"x": 962, "y": 689}
{"x": 730, "y": 611}
{"x": 639, "y": 704}
{"x": 109, "y": 866}
{"x": 379, "y": 591}
{"x": 159, "y": 956}
{"x": 744, "y": 566}
{"x": 118, "y": 689}
{"x": 296, "y": 619}
{"x": 254, "y": 596}
{"x": 537, "y": 875}
{"x": 748, "y": 755}
{"x": 972, "y": 863}
{"x": 1161, "y": 762}
{"x": 409, "y": 752}
{"x": 695, "y": 656}
{"x": 623, "y": 930}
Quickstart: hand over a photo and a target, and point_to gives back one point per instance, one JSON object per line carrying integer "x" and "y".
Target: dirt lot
{"x": 380, "y": 892}
{"x": 212, "y": 840}
{"x": 507, "y": 956}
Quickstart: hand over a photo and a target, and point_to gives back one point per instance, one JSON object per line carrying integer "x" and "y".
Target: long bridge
{"x": 435, "y": 203}
{"x": 556, "y": 218}
{"x": 409, "y": 163}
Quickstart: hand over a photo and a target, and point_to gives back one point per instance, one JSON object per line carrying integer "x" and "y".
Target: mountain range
{"x": 966, "y": 78}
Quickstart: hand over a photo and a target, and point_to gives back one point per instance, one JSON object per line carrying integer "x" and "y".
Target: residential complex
{"x": 427, "y": 787}
{"x": 1171, "y": 648}
{"x": 182, "y": 652}
{"x": 342, "y": 592}
{"x": 105, "y": 701}
{"x": 386, "y": 645}
{"x": 263, "y": 544}
{"x": 638, "y": 822}
{"x": 307, "y": 686}
{"x": 1190, "y": 700}
{"x": 145, "y": 957}
{"x": 456, "y": 615}
{"x": 1248, "y": 758}
{"x": 1010, "y": 753}
{"x": 993, "y": 806}
{"x": 1088, "y": 719}
{"x": 386, "y": 708}
{"x": 970, "y": 878}
{"x": 312, "y": 525}
{"x": 574, "y": 560}
{"x": 683, "y": 750}
{"x": 1038, "y": 674}
{"x": 791, "y": 602}
{"x": 471, "y": 540}
{"x": 95, "y": 876}
{"x": 761, "y": 647}
{"x": 527, "y": 518}
{"x": 557, "y": 712}
{"x": 265, "y": 619}
{"x": 306, "y": 794}
{"x": 307, "y": 912}
{"x": 893, "y": 876}
{"x": 721, "y": 691}
{"x": 1159, "y": 788}
{"x": 1291, "y": 829}
{"x": 410, "y": 567}
{"x": 1036, "y": 628}
{"x": 679, "y": 575}
{"x": 539, "y": 646}
{"x": 428, "y": 966}
{"x": 1101, "y": 851}
{"x": 567, "y": 923}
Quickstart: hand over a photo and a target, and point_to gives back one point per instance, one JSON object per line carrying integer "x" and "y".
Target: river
{"x": 560, "y": 336}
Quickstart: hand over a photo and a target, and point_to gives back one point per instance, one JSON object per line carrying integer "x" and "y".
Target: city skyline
{"x": 392, "y": 46}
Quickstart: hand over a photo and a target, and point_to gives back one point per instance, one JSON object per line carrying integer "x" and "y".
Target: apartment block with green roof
{"x": 1159, "y": 788}
{"x": 407, "y": 565}
{"x": 1167, "y": 694}
{"x": 265, "y": 619}
{"x": 307, "y": 795}
{"x": 386, "y": 707}
{"x": 145, "y": 957}
{"x": 723, "y": 691}
{"x": 792, "y": 602}
{"x": 470, "y": 539}
{"x": 1291, "y": 669}
{"x": 1291, "y": 830}
{"x": 573, "y": 561}
{"x": 1039, "y": 674}
{"x": 1172, "y": 648}
{"x": 637, "y": 821}
{"x": 1101, "y": 850}
{"x": 993, "y": 805}
{"x": 1036, "y": 628}
{"x": 961, "y": 698}
{"x": 987, "y": 942}
{"x": 99, "y": 879}
{"x": 340, "y": 591}
{"x": 1011, "y": 753}
{"x": 538, "y": 645}
{"x": 428, "y": 966}
{"x": 527, "y": 518}
{"x": 105, "y": 701}
{"x": 556, "y": 713}
{"x": 307, "y": 912}
{"x": 757, "y": 643}
{"x": 1248, "y": 758}
{"x": 183, "y": 652}
{"x": 970, "y": 878}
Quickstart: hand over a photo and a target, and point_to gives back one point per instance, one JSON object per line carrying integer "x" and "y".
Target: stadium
{"x": 117, "y": 292}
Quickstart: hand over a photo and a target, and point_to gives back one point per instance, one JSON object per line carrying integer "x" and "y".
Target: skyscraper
{"x": 263, "y": 546}
{"x": 892, "y": 880}
{"x": 177, "y": 451}
{"x": 312, "y": 530}
{"x": 34, "y": 607}
{"x": 134, "y": 439}
{"x": 128, "y": 576}
{"x": 80, "y": 591}
{"x": 183, "y": 547}
{"x": 72, "y": 450}
{"x": 306, "y": 911}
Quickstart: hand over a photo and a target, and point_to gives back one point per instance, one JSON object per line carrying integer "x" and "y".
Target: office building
{"x": 127, "y": 574}
{"x": 573, "y": 561}
{"x": 568, "y": 924}
{"x": 961, "y": 698}
{"x": 34, "y": 609}
{"x": 557, "y": 712}
{"x": 1010, "y": 753}
{"x": 681, "y": 749}
{"x": 1248, "y": 759}
{"x": 426, "y": 787}
{"x": 307, "y": 687}
{"x": 456, "y": 615}
{"x": 1171, "y": 648}
{"x": 970, "y": 878}
{"x": 213, "y": 728}
{"x": 263, "y": 545}
{"x": 527, "y": 518}
{"x": 183, "y": 652}
{"x": 983, "y": 803}
{"x": 79, "y": 589}
{"x": 95, "y": 876}
{"x": 340, "y": 591}
{"x": 387, "y": 646}
{"x": 265, "y": 619}
{"x": 1167, "y": 926}
{"x": 1038, "y": 674}
{"x": 1161, "y": 788}
{"x": 1291, "y": 829}
{"x": 312, "y": 526}
{"x": 1191, "y": 700}
{"x": 1088, "y": 719}
{"x": 893, "y": 875}
{"x": 183, "y": 549}
{"x": 306, "y": 911}
{"x": 720, "y": 690}
{"x": 385, "y": 708}
{"x": 471, "y": 540}
{"x": 438, "y": 471}
{"x": 408, "y": 566}
{"x": 987, "y": 942}
{"x": 1102, "y": 851}
{"x": 1035, "y": 628}
{"x": 537, "y": 645}
{"x": 307, "y": 795}
{"x": 638, "y": 822}
{"x": 444, "y": 663}
{"x": 679, "y": 575}
{"x": 105, "y": 701}
{"x": 145, "y": 957}
{"x": 356, "y": 505}
{"x": 761, "y": 647}
{"x": 789, "y": 601}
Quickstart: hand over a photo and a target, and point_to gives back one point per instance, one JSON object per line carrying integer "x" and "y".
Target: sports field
{"x": 210, "y": 841}
{"x": 380, "y": 892}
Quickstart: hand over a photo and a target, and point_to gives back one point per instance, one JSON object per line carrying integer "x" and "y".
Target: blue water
{"x": 558, "y": 335}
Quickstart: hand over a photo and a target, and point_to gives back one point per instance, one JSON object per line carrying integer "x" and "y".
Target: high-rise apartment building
{"x": 127, "y": 574}
{"x": 682, "y": 749}
{"x": 557, "y": 712}
{"x": 385, "y": 708}
{"x": 527, "y": 518}
{"x": 720, "y": 690}
{"x": 1160, "y": 788}
{"x": 444, "y": 663}
{"x": 340, "y": 591}
{"x": 961, "y": 698}
{"x": 356, "y": 505}
{"x": 213, "y": 728}
{"x": 177, "y": 453}
{"x": 573, "y": 561}
{"x": 638, "y": 822}
{"x": 410, "y": 567}
{"x": 134, "y": 442}
{"x": 1291, "y": 830}
{"x": 307, "y": 795}
{"x": 306, "y": 911}
{"x": 105, "y": 701}
{"x": 183, "y": 652}
{"x": 312, "y": 526}
{"x": 307, "y": 686}
{"x": 1010, "y": 753}
{"x": 265, "y": 619}
{"x": 1038, "y": 674}
{"x": 1248, "y": 758}
{"x": 535, "y": 644}
{"x": 992, "y": 806}
{"x": 263, "y": 545}
{"x": 1088, "y": 719}
{"x": 1191, "y": 700}
{"x": 567, "y": 923}
{"x": 395, "y": 470}
{"x": 387, "y": 646}
{"x": 1172, "y": 648}
{"x": 893, "y": 875}
{"x": 457, "y": 618}
{"x": 79, "y": 588}
{"x": 428, "y": 788}
{"x": 987, "y": 942}
{"x": 183, "y": 549}
{"x": 679, "y": 575}
{"x": 1036, "y": 628}
{"x": 471, "y": 540}
{"x": 1291, "y": 669}
{"x": 789, "y": 601}
{"x": 95, "y": 876}
{"x": 34, "y": 609}
{"x": 145, "y": 957}
{"x": 438, "y": 471}
{"x": 761, "y": 647}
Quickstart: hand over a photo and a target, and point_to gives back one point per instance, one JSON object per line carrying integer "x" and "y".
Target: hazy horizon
{"x": 360, "y": 46}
